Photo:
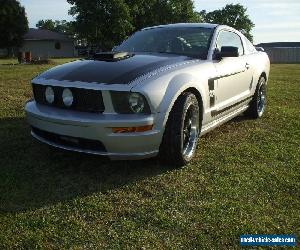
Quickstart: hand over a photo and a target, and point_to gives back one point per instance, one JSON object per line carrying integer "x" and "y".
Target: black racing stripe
{"x": 217, "y": 112}
{"x": 112, "y": 72}
{"x": 140, "y": 71}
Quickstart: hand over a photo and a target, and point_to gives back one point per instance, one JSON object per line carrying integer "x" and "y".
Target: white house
{"x": 46, "y": 44}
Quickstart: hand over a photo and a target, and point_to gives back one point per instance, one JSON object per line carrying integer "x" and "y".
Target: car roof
{"x": 185, "y": 25}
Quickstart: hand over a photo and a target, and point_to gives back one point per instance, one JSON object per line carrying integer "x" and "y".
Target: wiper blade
{"x": 173, "y": 53}
{"x": 181, "y": 54}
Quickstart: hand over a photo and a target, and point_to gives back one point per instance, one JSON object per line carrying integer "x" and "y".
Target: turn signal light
{"x": 132, "y": 129}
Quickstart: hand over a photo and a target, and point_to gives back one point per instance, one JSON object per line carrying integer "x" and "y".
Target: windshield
{"x": 192, "y": 41}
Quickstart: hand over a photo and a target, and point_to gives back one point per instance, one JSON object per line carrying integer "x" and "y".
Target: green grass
{"x": 244, "y": 179}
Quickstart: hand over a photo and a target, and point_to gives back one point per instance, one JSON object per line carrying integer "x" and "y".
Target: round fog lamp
{"x": 49, "y": 95}
{"x": 136, "y": 102}
{"x": 67, "y": 97}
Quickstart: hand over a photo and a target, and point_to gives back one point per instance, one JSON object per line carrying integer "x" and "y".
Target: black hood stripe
{"x": 116, "y": 72}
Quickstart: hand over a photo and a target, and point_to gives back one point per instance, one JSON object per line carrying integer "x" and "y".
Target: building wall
{"x": 46, "y": 49}
{"x": 283, "y": 55}
{"x": 3, "y": 52}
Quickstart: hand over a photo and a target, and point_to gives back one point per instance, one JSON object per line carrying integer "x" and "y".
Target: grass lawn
{"x": 244, "y": 179}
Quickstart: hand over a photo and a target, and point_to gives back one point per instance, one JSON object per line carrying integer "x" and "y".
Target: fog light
{"x": 49, "y": 95}
{"x": 67, "y": 97}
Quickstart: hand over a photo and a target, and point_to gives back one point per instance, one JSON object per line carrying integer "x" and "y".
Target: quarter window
{"x": 250, "y": 46}
{"x": 227, "y": 38}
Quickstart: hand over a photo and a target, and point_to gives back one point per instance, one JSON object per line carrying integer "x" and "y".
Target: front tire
{"x": 258, "y": 103}
{"x": 182, "y": 131}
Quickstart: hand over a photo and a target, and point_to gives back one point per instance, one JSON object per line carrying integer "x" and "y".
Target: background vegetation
{"x": 103, "y": 24}
{"x": 13, "y": 24}
{"x": 244, "y": 179}
{"x": 106, "y": 23}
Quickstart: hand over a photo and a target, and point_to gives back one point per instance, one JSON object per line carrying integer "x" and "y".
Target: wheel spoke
{"x": 190, "y": 131}
{"x": 261, "y": 100}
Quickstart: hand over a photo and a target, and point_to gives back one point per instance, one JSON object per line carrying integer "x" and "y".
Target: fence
{"x": 283, "y": 55}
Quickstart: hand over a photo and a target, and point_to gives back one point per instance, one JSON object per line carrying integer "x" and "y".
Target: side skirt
{"x": 215, "y": 123}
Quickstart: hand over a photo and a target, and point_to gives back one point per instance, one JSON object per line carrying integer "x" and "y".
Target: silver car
{"x": 154, "y": 94}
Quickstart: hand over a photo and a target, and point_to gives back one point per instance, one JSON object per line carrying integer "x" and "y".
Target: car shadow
{"x": 33, "y": 175}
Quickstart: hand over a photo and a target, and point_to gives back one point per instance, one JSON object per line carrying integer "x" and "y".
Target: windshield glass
{"x": 192, "y": 41}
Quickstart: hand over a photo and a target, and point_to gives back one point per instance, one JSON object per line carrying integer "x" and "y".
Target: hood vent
{"x": 112, "y": 56}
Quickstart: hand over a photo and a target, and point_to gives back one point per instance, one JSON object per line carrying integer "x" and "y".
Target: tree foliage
{"x": 234, "y": 15}
{"x": 13, "y": 23}
{"x": 108, "y": 22}
{"x": 57, "y": 26}
{"x": 105, "y": 23}
{"x": 155, "y": 12}
{"x": 47, "y": 24}
{"x": 101, "y": 22}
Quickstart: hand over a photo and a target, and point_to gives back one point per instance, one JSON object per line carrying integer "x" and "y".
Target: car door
{"x": 234, "y": 75}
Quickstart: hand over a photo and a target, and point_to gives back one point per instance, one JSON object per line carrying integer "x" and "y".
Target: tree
{"x": 108, "y": 22}
{"x": 200, "y": 16}
{"x": 155, "y": 12}
{"x": 57, "y": 26}
{"x": 102, "y": 23}
{"x": 234, "y": 15}
{"x": 47, "y": 24}
{"x": 13, "y": 24}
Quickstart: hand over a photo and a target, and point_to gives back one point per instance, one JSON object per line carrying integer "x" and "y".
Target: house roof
{"x": 280, "y": 45}
{"x": 46, "y": 35}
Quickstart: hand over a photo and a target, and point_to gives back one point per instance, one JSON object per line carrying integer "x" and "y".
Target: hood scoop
{"x": 112, "y": 56}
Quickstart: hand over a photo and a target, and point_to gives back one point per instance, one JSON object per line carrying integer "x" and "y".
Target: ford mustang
{"x": 153, "y": 95}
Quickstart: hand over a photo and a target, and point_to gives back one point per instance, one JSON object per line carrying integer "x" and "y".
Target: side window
{"x": 227, "y": 38}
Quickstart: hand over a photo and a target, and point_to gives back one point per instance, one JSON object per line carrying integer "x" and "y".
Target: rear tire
{"x": 258, "y": 103}
{"x": 181, "y": 132}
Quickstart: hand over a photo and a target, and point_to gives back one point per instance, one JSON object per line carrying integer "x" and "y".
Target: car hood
{"x": 112, "y": 72}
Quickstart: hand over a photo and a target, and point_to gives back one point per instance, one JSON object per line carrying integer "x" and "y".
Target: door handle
{"x": 247, "y": 65}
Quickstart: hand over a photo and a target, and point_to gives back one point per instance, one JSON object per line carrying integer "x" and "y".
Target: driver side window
{"x": 227, "y": 38}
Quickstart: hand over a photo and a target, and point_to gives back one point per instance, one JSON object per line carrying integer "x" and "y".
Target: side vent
{"x": 112, "y": 56}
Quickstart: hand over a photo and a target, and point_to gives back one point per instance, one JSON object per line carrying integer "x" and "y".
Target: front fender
{"x": 163, "y": 92}
{"x": 177, "y": 86}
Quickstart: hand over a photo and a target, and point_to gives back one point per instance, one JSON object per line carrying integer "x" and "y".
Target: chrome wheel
{"x": 261, "y": 99}
{"x": 190, "y": 131}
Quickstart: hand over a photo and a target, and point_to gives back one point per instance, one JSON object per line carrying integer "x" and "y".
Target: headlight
{"x": 49, "y": 95}
{"x": 129, "y": 103}
{"x": 67, "y": 97}
{"x": 136, "y": 102}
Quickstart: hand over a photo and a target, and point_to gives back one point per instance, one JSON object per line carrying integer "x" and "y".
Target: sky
{"x": 275, "y": 21}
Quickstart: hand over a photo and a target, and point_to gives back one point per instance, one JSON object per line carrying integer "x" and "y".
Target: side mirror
{"x": 227, "y": 51}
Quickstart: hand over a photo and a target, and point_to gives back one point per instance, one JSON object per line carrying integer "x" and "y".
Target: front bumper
{"x": 96, "y": 127}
